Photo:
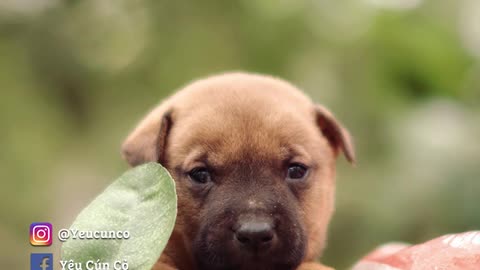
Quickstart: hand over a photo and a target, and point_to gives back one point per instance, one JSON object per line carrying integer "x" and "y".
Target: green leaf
{"x": 144, "y": 203}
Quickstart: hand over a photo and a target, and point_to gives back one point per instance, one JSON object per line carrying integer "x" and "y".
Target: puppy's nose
{"x": 255, "y": 235}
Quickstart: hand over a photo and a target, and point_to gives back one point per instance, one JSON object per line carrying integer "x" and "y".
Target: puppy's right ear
{"x": 148, "y": 140}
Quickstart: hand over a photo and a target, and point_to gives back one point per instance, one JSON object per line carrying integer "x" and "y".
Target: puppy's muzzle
{"x": 255, "y": 234}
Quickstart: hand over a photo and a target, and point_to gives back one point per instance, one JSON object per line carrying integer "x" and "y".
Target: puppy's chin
{"x": 216, "y": 249}
{"x": 249, "y": 265}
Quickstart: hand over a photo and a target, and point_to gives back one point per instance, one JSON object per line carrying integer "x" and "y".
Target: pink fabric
{"x": 449, "y": 252}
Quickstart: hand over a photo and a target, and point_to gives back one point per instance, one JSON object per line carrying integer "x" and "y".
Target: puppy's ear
{"x": 337, "y": 135}
{"x": 148, "y": 140}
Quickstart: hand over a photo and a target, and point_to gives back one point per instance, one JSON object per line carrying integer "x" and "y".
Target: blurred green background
{"x": 403, "y": 75}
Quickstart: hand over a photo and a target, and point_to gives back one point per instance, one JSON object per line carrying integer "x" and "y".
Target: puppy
{"x": 254, "y": 163}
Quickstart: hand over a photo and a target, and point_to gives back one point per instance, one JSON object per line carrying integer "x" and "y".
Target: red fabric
{"x": 449, "y": 252}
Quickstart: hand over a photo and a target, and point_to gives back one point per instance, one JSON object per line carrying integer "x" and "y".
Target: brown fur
{"x": 228, "y": 120}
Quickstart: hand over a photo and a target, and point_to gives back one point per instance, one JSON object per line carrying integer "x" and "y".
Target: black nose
{"x": 255, "y": 235}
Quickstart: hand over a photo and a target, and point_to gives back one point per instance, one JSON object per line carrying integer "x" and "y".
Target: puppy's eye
{"x": 296, "y": 171}
{"x": 200, "y": 175}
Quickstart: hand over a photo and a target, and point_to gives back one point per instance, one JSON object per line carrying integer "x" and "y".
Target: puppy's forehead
{"x": 230, "y": 137}
{"x": 259, "y": 119}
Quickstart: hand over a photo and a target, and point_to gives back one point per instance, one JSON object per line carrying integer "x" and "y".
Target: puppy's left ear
{"x": 337, "y": 136}
{"x": 148, "y": 141}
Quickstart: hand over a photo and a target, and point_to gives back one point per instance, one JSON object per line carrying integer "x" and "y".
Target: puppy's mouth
{"x": 256, "y": 242}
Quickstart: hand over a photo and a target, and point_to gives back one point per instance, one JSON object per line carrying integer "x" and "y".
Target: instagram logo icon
{"x": 41, "y": 234}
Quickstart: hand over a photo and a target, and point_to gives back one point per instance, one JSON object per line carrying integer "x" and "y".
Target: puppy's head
{"x": 254, "y": 163}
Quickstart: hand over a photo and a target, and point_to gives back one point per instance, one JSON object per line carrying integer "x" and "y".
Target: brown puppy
{"x": 254, "y": 163}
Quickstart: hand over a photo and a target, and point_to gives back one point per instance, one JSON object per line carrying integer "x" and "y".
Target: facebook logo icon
{"x": 41, "y": 261}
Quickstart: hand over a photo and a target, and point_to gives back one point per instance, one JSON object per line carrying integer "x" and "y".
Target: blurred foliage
{"x": 75, "y": 76}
